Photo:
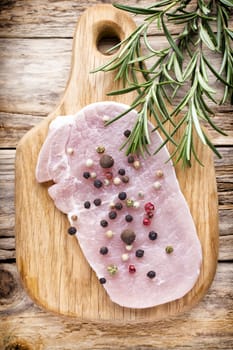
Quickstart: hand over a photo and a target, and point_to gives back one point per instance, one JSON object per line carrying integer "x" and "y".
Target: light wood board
{"x": 51, "y": 264}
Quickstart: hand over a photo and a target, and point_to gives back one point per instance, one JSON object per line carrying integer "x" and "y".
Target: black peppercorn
{"x": 103, "y": 250}
{"x": 87, "y": 204}
{"x": 122, "y": 196}
{"x": 98, "y": 183}
{"x": 72, "y": 230}
{"x": 128, "y": 218}
{"x": 151, "y": 274}
{"x": 152, "y": 235}
{"x": 121, "y": 172}
{"x": 106, "y": 161}
{"x": 130, "y": 159}
{"x": 128, "y": 236}
{"x": 118, "y": 206}
{"x": 104, "y": 223}
{"x": 102, "y": 280}
{"x": 112, "y": 215}
{"x": 86, "y": 174}
{"x": 127, "y": 133}
{"x": 139, "y": 253}
{"x": 97, "y": 201}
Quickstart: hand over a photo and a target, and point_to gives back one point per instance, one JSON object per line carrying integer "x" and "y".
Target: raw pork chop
{"x": 128, "y": 213}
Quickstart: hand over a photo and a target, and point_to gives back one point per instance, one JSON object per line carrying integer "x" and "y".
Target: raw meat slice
{"x": 144, "y": 248}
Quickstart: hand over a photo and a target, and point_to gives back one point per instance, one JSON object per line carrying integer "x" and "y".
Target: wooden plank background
{"x": 35, "y": 54}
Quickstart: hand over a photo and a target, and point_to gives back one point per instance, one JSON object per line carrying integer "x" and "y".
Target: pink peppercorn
{"x": 149, "y": 207}
{"x": 132, "y": 268}
{"x": 146, "y": 221}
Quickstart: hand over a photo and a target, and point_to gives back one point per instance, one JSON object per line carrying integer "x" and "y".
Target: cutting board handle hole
{"x": 106, "y": 39}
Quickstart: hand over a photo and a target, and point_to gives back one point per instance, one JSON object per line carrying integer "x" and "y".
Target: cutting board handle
{"x": 101, "y": 21}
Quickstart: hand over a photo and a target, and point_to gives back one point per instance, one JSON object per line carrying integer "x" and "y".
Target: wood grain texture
{"x": 70, "y": 286}
{"x": 206, "y": 327}
{"x": 40, "y": 84}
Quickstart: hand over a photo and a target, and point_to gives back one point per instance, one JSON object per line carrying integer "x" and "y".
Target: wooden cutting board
{"x": 50, "y": 262}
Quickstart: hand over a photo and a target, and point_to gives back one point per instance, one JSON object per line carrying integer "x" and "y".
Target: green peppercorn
{"x": 169, "y": 249}
{"x": 112, "y": 269}
{"x": 100, "y": 149}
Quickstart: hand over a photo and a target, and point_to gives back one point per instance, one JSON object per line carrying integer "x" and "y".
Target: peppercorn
{"x": 112, "y": 215}
{"x": 128, "y": 236}
{"x": 106, "y": 161}
{"x": 109, "y": 175}
{"x": 89, "y": 163}
{"x": 116, "y": 181}
{"x": 118, "y": 206}
{"x": 149, "y": 207}
{"x": 136, "y": 164}
{"x": 132, "y": 268}
{"x": 112, "y": 269}
{"x": 104, "y": 223}
{"x": 151, "y": 274}
{"x": 169, "y": 249}
{"x": 121, "y": 172}
{"x": 130, "y": 159}
{"x": 100, "y": 149}
{"x": 139, "y": 253}
{"x": 129, "y": 203}
{"x": 125, "y": 257}
{"x": 146, "y": 222}
{"x": 152, "y": 235}
{"x": 103, "y": 250}
{"x": 109, "y": 234}
{"x": 127, "y": 133}
{"x": 157, "y": 185}
{"x": 122, "y": 195}
{"x": 125, "y": 179}
{"x": 93, "y": 175}
{"x": 150, "y": 215}
{"x": 102, "y": 280}
{"x": 128, "y": 218}
{"x": 86, "y": 174}
{"x": 97, "y": 201}
{"x": 87, "y": 204}
{"x": 98, "y": 183}
{"x": 72, "y": 230}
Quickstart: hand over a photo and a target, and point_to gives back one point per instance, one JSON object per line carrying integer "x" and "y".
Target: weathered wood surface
{"x": 34, "y": 35}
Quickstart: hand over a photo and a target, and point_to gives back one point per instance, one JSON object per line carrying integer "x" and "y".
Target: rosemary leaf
{"x": 181, "y": 69}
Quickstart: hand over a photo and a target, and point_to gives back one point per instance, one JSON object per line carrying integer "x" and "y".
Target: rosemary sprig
{"x": 183, "y": 63}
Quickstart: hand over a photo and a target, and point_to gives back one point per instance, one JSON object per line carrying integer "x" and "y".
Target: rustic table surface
{"x": 35, "y": 53}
